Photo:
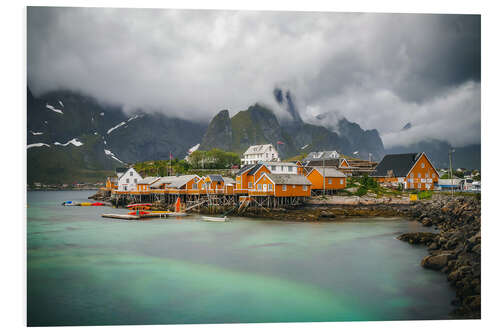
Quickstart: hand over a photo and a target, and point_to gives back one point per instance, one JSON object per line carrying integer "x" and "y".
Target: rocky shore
{"x": 456, "y": 249}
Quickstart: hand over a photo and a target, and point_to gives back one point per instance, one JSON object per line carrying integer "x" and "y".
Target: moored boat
{"x": 215, "y": 219}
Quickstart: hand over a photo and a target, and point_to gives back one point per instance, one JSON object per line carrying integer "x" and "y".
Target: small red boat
{"x": 97, "y": 204}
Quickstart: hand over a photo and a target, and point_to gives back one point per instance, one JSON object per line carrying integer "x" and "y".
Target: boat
{"x": 70, "y": 203}
{"x": 85, "y": 204}
{"x": 215, "y": 219}
{"x": 160, "y": 212}
{"x": 97, "y": 204}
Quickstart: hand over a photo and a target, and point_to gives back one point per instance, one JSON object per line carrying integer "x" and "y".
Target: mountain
{"x": 468, "y": 157}
{"x": 85, "y": 139}
{"x": 259, "y": 125}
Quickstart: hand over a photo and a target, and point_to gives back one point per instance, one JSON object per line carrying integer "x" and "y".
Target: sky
{"x": 379, "y": 70}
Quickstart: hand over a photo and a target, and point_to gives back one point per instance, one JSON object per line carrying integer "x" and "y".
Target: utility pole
{"x": 324, "y": 177}
{"x": 451, "y": 170}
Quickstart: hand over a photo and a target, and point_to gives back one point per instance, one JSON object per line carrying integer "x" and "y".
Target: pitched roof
{"x": 173, "y": 181}
{"x": 330, "y": 172}
{"x": 256, "y": 168}
{"x": 216, "y": 178}
{"x": 396, "y": 165}
{"x": 148, "y": 180}
{"x": 288, "y": 179}
{"x": 280, "y": 163}
{"x": 322, "y": 155}
{"x": 257, "y": 149}
{"x": 245, "y": 168}
{"x": 328, "y": 162}
{"x": 228, "y": 180}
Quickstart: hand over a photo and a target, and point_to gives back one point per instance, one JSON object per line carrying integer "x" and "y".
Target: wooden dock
{"x": 121, "y": 216}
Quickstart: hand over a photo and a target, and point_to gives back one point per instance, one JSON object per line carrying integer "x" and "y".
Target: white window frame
{"x": 284, "y": 188}
{"x": 250, "y": 185}
{"x": 330, "y": 181}
{"x": 259, "y": 187}
{"x": 270, "y": 187}
{"x": 341, "y": 182}
{"x": 304, "y": 187}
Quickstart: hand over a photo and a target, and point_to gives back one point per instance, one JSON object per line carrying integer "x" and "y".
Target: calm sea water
{"x": 87, "y": 270}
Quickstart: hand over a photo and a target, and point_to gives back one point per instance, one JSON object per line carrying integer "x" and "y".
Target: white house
{"x": 281, "y": 167}
{"x": 128, "y": 180}
{"x": 260, "y": 153}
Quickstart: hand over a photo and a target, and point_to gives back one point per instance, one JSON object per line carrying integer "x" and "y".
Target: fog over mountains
{"x": 346, "y": 80}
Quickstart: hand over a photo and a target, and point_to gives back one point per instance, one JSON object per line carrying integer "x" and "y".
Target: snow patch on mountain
{"x": 37, "y": 145}
{"x": 36, "y": 133}
{"x": 50, "y": 107}
{"x": 112, "y": 155}
{"x": 61, "y": 103}
{"x": 74, "y": 142}
{"x": 123, "y": 123}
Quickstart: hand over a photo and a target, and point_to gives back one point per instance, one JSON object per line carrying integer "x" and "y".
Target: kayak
{"x": 70, "y": 203}
{"x": 141, "y": 212}
{"x": 141, "y": 205}
{"x": 85, "y": 204}
{"x": 97, "y": 204}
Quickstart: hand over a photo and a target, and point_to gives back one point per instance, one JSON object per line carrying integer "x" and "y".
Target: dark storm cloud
{"x": 380, "y": 70}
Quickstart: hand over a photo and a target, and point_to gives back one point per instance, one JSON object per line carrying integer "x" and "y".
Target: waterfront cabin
{"x": 144, "y": 185}
{"x": 281, "y": 185}
{"x": 215, "y": 183}
{"x": 260, "y": 153}
{"x": 328, "y": 179}
{"x": 245, "y": 178}
{"x": 129, "y": 180}
{"x": 411, "y": 171}
{"x": 229, "y": 185}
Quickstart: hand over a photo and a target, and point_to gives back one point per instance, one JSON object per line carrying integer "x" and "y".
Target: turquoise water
{"x": 87, "y": 270}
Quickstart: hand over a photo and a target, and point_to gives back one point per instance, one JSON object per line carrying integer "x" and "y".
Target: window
{"x": 419, "y": 175}
{"x": 422, "y": 165}
{"x": 290, "y": 169}
{"x": 273, "y": 168}
{"x": 272, "y": 155}
{"x": 304, "y": 187}
{"x": 411, "y": 175}
{"x": 341, "y": 181}
{"x": 419, "y": 185}
{"x": 131, "y": 173}
{"x": 329, "y": 181}
{"x": 270, "y": 187}
{"x": 284, "y": 187}
{"x": 267, "y": 155}
{"x": 250, "y": 184}
{"x": 293, "y": 186}
{"x": 125, "y": 187}
{"x": 195, "y": 186}
{"x": 128, "y": 180}
{"x": 427, "y": 175}
{"x": 135, "y": 180}
{"x": 259, "y": 187}
{"x": 433, "y": 175}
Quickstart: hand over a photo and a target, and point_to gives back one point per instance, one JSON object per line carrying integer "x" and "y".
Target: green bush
{"x": 362, "y": 190}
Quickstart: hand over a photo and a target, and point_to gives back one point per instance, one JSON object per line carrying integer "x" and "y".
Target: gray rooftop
{"x": 330, "y": 172}
{"x": 288, "y": 179}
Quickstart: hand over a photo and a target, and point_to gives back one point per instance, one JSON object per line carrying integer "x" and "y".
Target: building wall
{"x": 133, "y": 177}
{"x": 422, "y": 176}
{"x": 279, "y": 190}
{"x": 293, "y": 191}
{"x": 316, "y": 179}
